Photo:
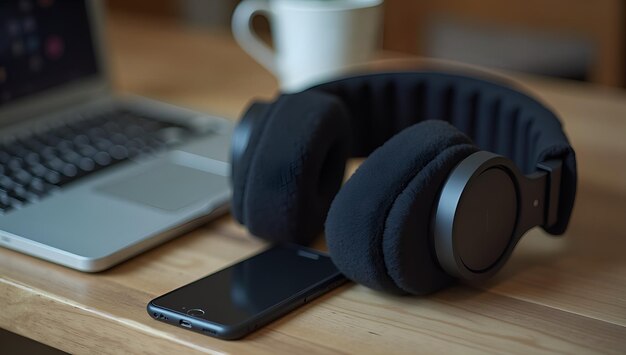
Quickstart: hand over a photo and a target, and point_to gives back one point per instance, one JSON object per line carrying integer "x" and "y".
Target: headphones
{"x": 457, "y": 170}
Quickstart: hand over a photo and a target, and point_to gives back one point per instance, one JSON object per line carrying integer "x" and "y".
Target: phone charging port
{"x": 185, "y": 323}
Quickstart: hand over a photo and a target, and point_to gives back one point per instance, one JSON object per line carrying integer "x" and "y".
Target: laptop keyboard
{"x": 35, "y": 165}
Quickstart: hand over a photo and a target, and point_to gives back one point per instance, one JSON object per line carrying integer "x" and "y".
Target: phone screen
{"x": 240, "y": 292}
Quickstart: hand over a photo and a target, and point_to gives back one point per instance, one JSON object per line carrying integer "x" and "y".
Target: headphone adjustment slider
{"x": 553, "y": 169}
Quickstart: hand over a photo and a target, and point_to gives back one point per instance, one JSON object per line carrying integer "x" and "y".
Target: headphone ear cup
{"x": 245, "y": 139}
{"x": 377, "y": 228}
{"x": 296, "y": 168}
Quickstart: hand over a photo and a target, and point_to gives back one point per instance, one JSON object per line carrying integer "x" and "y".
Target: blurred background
{"x": 573, "y": 39}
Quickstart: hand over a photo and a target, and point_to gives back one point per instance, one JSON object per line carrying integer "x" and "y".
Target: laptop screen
{"x": 43, "y": 44}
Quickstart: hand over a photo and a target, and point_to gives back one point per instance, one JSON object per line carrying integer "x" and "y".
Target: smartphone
{"x": 239, "y": 299}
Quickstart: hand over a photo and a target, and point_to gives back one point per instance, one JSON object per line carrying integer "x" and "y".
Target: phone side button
{"x": 309, "y": 298}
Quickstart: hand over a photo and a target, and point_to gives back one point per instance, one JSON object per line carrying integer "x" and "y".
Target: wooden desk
{"x": 564, "y": 295}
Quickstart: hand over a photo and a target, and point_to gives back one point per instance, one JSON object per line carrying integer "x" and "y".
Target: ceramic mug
{"x": 314, "y": 40}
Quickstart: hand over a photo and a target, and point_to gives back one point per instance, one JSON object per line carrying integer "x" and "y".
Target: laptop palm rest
{"x": 167, "y": 186}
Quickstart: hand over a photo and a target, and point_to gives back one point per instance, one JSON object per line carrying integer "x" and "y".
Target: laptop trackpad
{"x": 168, "y": 186}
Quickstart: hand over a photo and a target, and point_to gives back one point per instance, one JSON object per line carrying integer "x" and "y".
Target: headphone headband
{"x": 497, "y": 118}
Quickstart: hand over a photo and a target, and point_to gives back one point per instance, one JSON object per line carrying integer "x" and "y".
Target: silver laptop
{"x": 88, "y": 179}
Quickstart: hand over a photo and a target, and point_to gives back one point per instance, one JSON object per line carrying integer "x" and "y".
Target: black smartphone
{"x": 237, "y": 300}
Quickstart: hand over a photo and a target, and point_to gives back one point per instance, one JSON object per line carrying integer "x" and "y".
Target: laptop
{"x": 89, "y": 179}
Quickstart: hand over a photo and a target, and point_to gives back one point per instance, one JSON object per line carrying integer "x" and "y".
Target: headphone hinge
{"x": 553, "y": 189}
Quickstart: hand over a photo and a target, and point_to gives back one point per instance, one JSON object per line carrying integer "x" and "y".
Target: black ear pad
{"x": 295, "y": 167}
{"x": 377, "y": 228}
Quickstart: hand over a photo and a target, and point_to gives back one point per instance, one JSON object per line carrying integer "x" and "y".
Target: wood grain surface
{"x": 556, "y": 295}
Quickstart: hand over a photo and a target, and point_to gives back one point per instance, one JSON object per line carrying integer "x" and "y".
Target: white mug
{"x": 314, "y": 40}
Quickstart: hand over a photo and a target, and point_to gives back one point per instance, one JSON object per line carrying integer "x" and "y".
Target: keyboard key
{"x": 55, "y": 164}
{"x": 102, "y": 144}
{"x": 102, "y": 158}
{"x": 38, "y": 170}
{"x": 6, "y": 183}
{"x": 53, "y": 177}
{"x": 19, "y": 193}
{"x": 118, "y": 152}
{"x": 86, "y": 164}
{"x": 15, "y": 164}
{"x": 22, "y": 177}
{"x": 69, "y": 170}
{"x": 32, "y": 158}
{"x": 65, "y": 146}
{"x": 71, "y": 157}
{"x": 4, "y": 198}
{"x": 38, "y": 186}
{"x": 87, "y": 151}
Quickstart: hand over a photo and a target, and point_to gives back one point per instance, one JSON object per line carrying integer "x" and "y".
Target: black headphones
{"x": 458, "y": 169}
